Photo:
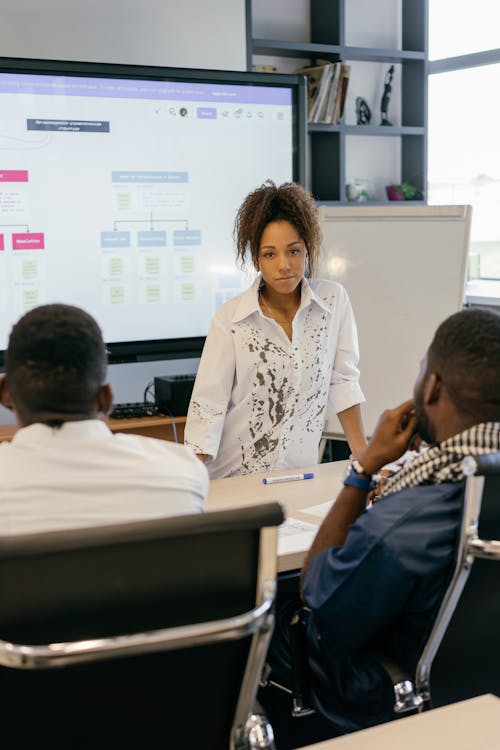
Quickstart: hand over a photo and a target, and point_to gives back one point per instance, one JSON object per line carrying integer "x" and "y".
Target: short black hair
{"x": 465, "y": 354}
{"x": 56, "y": 361}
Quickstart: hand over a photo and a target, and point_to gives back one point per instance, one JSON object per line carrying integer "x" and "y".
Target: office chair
{"x": 144, "y": 635}
{"x": 461, "y": 658}
{"x": 463, "y": 647}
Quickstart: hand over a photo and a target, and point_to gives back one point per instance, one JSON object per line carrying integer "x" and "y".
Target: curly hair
{"x": 287, "y": 202}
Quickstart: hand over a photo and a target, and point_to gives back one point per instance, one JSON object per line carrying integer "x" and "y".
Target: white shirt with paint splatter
{"x": 260, "y": 401}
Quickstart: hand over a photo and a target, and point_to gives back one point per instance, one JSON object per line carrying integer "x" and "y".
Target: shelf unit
{"x": 329, "y": 143}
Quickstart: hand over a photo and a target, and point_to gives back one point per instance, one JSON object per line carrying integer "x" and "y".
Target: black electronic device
{"x": 119, "y": 185}
{"x": 134, "y": 409}
{"x": 173, "y": 393}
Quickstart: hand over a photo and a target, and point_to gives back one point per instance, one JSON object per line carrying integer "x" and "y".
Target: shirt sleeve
{"x": 356, "y": 590}
{"x": 345, "y": 390}
{"x": 212, "y": 390}
{"x": 201, "y": 481}
{"x": 390, "y": 564}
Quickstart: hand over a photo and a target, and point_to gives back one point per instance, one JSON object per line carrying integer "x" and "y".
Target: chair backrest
{"x": 461, "y": 658}
{"x": 184, "y": 602}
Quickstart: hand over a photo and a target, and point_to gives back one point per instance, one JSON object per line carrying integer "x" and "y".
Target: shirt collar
{"x": 249, "y": 300}
{"x": 309, "y": 295}
{"x": 38, "y": 432}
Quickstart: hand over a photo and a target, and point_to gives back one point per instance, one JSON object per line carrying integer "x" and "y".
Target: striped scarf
{"x": 443, "y": 462}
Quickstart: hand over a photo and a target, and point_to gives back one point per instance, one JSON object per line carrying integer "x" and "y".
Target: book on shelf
{"x": 314, "y": 79}
{"x": 327, "y": 114}
{"x": 327, "y": 88}
{"x": 322, "y": 95}
{"x": 341, "y": 93}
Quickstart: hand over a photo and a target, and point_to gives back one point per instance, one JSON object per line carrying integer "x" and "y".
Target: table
{"x": 473, "y": 724}
{"x": 234, "y": 492}
{"x": 157, "y": 427}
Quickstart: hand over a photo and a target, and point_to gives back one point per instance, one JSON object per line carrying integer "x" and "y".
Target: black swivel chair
{"x": 140, "y": 635}
{"x": 461, "y": 658}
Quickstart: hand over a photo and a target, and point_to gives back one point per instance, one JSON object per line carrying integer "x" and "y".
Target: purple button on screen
{"x": 206, "y": 113}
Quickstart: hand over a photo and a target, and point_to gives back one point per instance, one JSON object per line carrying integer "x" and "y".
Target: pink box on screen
{"x": 28, "y": 241}
{"x": 13, "y": 175}
{"x": 2, "y": 245}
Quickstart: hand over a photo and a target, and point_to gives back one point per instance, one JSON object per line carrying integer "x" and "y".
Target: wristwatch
{"x": 357, "y": 476}
{"x": 358, "y": 469}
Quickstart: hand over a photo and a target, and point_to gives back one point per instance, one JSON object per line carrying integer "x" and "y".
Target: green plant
{"x": 410, "y": 192}
{"x": 406, "y": 191}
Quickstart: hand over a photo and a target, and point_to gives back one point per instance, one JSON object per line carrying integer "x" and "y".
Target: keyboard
{"x": 134, "y": 410}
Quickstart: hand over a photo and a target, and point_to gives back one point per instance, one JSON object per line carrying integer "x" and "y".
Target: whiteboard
{"x": 404, "y": 268}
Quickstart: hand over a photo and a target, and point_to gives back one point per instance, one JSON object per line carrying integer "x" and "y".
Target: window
{"x": 464, "y": 117}
{"x": 459, "y": 27}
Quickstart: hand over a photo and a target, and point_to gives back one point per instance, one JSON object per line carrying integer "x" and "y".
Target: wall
{"x": 190, "y": 34}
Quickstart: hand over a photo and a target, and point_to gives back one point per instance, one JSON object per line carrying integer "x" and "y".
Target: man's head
{"x": 459, "y": 382}
{"x": 55, "y": 366}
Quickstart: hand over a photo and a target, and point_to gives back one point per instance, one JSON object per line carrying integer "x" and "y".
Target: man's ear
{"x": 105, "y": 398}
{"x": 5, "y": 398}
{"x": 432, "y": 389}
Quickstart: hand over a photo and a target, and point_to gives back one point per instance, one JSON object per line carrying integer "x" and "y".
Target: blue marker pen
{"x": 288, "y": 478}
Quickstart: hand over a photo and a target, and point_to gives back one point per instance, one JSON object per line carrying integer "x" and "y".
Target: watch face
{"x": 358, "y": 468}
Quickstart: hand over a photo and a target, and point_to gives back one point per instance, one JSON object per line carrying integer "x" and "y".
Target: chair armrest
{"x": 20, "y": 656}
{"x": 488, "y": 550}
{"x": 488, "y": 463}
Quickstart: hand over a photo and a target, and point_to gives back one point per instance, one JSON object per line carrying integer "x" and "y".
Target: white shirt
{"x": 260, "y": 400}
{"x": 81, "y": 475}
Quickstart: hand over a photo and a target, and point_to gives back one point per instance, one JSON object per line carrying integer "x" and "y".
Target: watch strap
{"x": 353, "y": 479}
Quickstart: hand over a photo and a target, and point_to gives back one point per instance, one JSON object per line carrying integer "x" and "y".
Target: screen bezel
{"x": 176, "y": 348}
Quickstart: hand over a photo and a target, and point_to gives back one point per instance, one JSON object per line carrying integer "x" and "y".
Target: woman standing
{"x": 280, "y": 355}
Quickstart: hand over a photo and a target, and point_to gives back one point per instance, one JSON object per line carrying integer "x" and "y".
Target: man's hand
{"x": 393, "y": 435}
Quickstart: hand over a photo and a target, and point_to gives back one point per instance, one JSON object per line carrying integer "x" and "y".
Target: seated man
{"x": 64, "y": 468}
{"x": 375, "y": 577}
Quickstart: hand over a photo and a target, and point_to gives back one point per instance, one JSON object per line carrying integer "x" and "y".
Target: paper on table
{"x": 319, "y": 510}
{"x": 295, "y": 536}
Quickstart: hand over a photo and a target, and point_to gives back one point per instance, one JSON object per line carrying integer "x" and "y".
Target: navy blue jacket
{"x": 378, "y": 593}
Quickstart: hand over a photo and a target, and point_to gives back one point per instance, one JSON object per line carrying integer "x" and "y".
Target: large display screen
{"x": 119, "y": 187}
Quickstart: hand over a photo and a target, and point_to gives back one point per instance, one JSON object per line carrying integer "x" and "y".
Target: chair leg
{"x": 257, "y": 734}
{"x": 406, "y": 700}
